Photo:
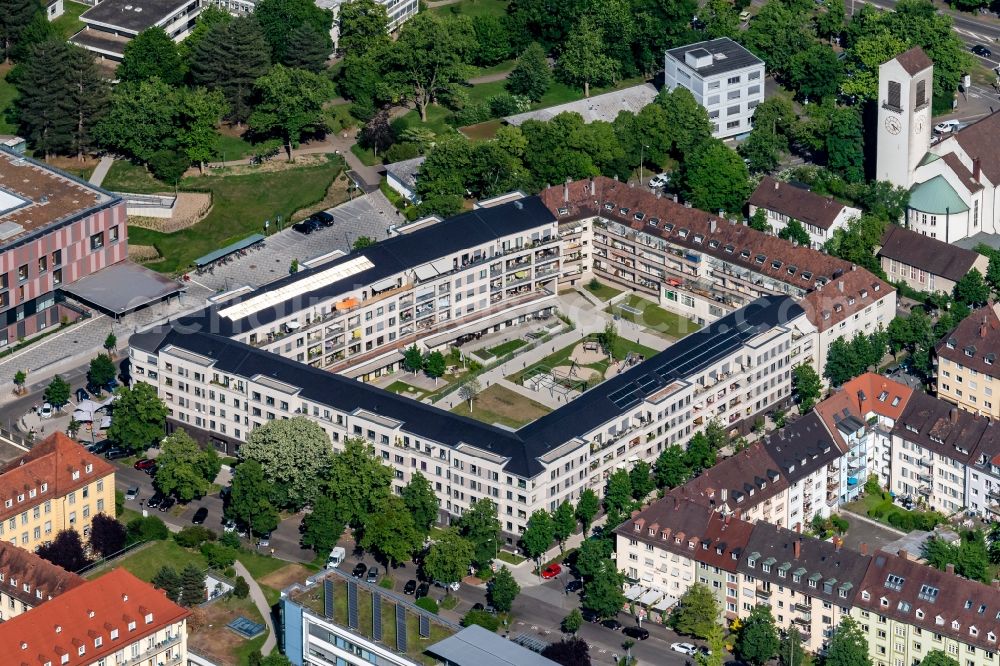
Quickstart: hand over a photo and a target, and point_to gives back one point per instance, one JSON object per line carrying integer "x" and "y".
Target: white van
{"x": 337, "y": 556}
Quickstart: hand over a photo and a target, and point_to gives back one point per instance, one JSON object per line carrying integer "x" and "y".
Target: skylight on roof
{"x": 929, "y": 593}
{"x": 10, "y": 201}
{"x": 894, "y": 582}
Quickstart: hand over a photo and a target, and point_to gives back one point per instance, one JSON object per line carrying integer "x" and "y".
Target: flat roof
{"x": 123, "y": 287}
{"x": 34, "y": 195}
{"x": 475, "y": 646}
{"x": 605, "y": 106}
{"x": 101, "y": 40}
{"x": 727, "y": 56}
{"x": 132, "y": 15}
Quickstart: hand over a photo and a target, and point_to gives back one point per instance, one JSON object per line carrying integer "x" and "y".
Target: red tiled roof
{"x": 52, "y": 462}
{"x": 852, "y": 292}
{"x": 882, "y": 396}
{"x": 926, "y": 253}
{"x": 81, "y": 617}
{"x": 796, "y": 202}
{"x": 44, "y": 580}
{"x": 740, "y": 481}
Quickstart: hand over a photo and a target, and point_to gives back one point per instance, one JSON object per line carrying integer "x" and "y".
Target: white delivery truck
{"x": 336, "y": 557}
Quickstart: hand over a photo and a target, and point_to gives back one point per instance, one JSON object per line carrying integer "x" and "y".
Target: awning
{"x": 650, "y": 597}
{"x": 229, "y": 249}
{"x": 443, "y": 265}
{"x": 105, "y": 423}
{"x": 666, "y": 603}
{"x": 122, "y": 288}
{"x": 634, "y": 592}
{"x": 383, "y": 285}
{"x": 83, "y": 416}
{"x": 425, "y": 272}
{"x": 347, "y": 304}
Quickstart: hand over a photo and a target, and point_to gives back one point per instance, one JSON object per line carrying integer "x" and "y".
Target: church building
{"x": 953, "y": 183}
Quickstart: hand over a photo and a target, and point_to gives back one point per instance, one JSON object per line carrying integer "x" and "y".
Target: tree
{"x": 563, "y": 523}
{"x": 308, "y": 48}
{"x": 569, "y": 651}
{"x": 776, "y": 34}
{"x": 492, "y": 40}
{"x": 583, "y": 61}
{"x": 294, "y": 453}
{"x": 618, "y": 492}
{"x": 696, "y": 612}
{"x": 413, "y": 359}
{"x": 594, "y": 555}
{"x": 390, "y": 531}
{"x": 791, "y": 652}
{"x": 199, "y": 112}
{"x": 192, "y": 586}
{"x": 609, "y": 338}
{"x": 715, "y": 178}
{"x": 357, "y": 481}
{"x": 230, "y": 59}
{"x": 66, "y": 551}
{"x": 184, "y": 469}
{"x": 107, "y": 535}
{"x": 361, "y": 242}
{"x": 139, "y": 417}
{"x": 468, "y": 390}
{"x": 687, "y": 119}
{"x": 169, "y": 581}
{"x": 642, "y": 480}
{"x": 938, "y": 658}
{"x": 831, "y": 22}
{"x": 505, "y": 589}
{"x": 971, "y": 289}
{"x": 110, "y": 344}
{"x": 538, "y": 534}
{"x": 146, "y": 528}
{"x": 434, "y": 365}
{"x": 102, "y": 371}
{"x": 807, "y": 386}
{"x": 279, "y": 18}
{"x": 716, "y": 655}
{"x": 141, "y": 119}
{"x": 150, "y": 54}
{"x": 421, "y": 502}
{"x": 250, "y": 498}
{"x": 291, "y": 102}
{"x": 848, "y": 646}
{"x": 817, "y": 72}
{"x": 794, "y": 231}
{"x": 20, "y": 378}
{"x": 670, "y": 469}
{"x": 700, "y": 453}
{"x": 763, "y": 149}
{"x": 758, "y": 221}
{"x": 377, "y": 134}
{"x": 57, "y": 392}
{"x": 757, "y": 642}
{"x": 845, "y": 144}
{"x": 15, "y": 17}
{"x": 321, "y": 527}
{"x": 363, "y": 27}
{"x": 572, "y": 622}
{"x": 428, "y": 58}
{"x": 480, "y": 526}
{"x": 603, "y": 594}
{"x": 531, "y": 76}
{"x": 586, "y": 508}
{"x": 448, "y": 559}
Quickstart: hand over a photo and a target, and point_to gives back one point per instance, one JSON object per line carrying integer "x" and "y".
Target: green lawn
{"x": 438, "y": 119}
{"x": 510, "y": 558}
{"x": 475, "y": 8}
{"x": 260, "y": 565}
{"x": 603, "y": 291}
{"x": 505, "y": 66}
{"x": 123, "y": 176}
{"x": 69, "y": 23}
{"x": 229, "y": 148}
{"x": 506, "y": 347}
{"x": 240, "y": 206}
{"x": 654, "y": 317}
{"x": 8, "y": 93}
{"x": 498, "y": 404}
{"x": 146, "y": 561}
{"x": 483, "y": 91}
{"x": 410, "y": 391}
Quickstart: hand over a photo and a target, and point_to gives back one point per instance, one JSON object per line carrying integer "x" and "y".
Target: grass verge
{"x": 498, "y": 404}
{"x": 654, "y": 317}
{"x": 602, "y": 291}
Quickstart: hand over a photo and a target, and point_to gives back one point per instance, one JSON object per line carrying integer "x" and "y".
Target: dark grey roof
{"x": 522, "y": 448}
{"x": 733, "y": 56}
{"x": 475, "y": 646}
{"x": 123, "y": 287}
{"x": 929, "y": 254}
{"x": 405, "y": 171}
{"x": 132, "y": 15}
{"x": 802, "y": 447}
{"x": 940, "y": 427}
{"x": 389, "y": 257}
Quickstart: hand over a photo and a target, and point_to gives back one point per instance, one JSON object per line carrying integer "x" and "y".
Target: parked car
{"x": 264, "y": 541}
{"x": 167, "y": 504}
{"x": 145, "y": 465}
{"x": 589, "y": 615}
{"x": 745, "y": 16}
{"x": 612, "y": 624}
{"x": 574, "y": 586}
{"x": 478, "y": 606}
{"x": 99, "y": 447}
{"x": 372, "y": 576}
{"x": 659, "y": 180}
{"x": 947, "y": 126}
{"x": 228, "y": 525}
{"x": 155, "y": 500}
{"x": 322, "y": 218}
{"x": 132, "y": 493}
{"x": 199, "y": 516}
{"x": 45, "y": 411}
{"x": 422, "y": 591}
{"x": 552, "y": 571}
{"x": 115, "y": 453}
{"x": 359, "y": 570}
{"x": 81, "y": 395}
{"x": 683, "y": 648}
{"x": 453, "y": 586}
{"x": 638, "y": 633}
{"x": 982, "y": 51}
{"x": 410, "y": 587}
{"x": 304, "y": 227}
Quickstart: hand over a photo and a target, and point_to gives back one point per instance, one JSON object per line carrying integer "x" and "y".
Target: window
{"x": 22, "y": 272}
{"x": 733, "y": 110}
{"x": 753, "y": 76}
{"x": 733, "y": 94}
{"x": 57, "y": 257}
{"x": 733, "y": 80}
{"x": 921, "y": 93}
{"x": 43, "y": 264}
{"x": 113, "y": 234}
{"x": 732, "y": 124}
{"x": 894, "y": 96}
{"x": 97, "y": 241}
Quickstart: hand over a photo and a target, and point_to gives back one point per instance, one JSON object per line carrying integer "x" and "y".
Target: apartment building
{"x": 113, "y": 619}
{"x": 782, "y": 202}
{"x": 56, "y": 486}
{"x": 702, "y": 266}
{"x": 54, "y": 230}
{"x": 219, "y": 389}
{"x": 907, "y": 609}
{"x": 27, "y": 581}
{"x": 925, "y": 263}
{"x": 967, "y": 374}
{"x": 724, "y": 77}
{"x": 476, "y": 272}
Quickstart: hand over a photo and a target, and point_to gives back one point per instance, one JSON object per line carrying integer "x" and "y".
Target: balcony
{"x": 763, "y": 593}
{"x": 924, "y": 490}
{"x": 926, "y": 478}
{"x": 926, "y": 462}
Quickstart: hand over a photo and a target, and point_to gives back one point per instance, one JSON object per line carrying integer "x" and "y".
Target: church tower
{"x": 904, "y": 116}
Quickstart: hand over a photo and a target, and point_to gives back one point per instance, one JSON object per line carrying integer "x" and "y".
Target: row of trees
{"x": 846, "y": 360}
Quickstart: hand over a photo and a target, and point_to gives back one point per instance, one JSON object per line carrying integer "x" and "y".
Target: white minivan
{"x": 337, "y": 556}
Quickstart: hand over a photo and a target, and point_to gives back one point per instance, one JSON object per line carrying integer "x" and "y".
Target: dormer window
{"x": 149, "y": 618}
{"x": 76, "y": 474}
{"x": 919, "y": 614}
{"x": 713, "y": 244}
{"x": 791, "y": 270}
{"x": 698, "y": 238}
{"x": 866, "y": 595}
{"x": 45, "y": 487}
{"x": 20, "y": 498}
{"x": 32, "y": 492}
{"x": 973, "y": 631}
{"x": 877, "y": 287}
{"x": 729, "y": 249}
{"x": 114, "y": 634}
{"x": 775, "y": 264}
{"x": 99, "y": 641}
{"x": 89, "y": 468}
{"x": 745, "y": 254}
{"x": 623, "y": 211}
{"x": 850, "y": 301}
{"x": 760, "y": 259}
{"x": 955, "y": 625}
{"x": 638, "y": 527}
{"x": 884, "y": 602}
{"x": 970, "y": 351}
{"x": 807, "y": 275}
{"x": 131, "y": 625}
{"x": 609, "y": 205}
{"x": 951, "y": 343}
{"x": 991, "y": 637}
{"x": 652, "y": 532}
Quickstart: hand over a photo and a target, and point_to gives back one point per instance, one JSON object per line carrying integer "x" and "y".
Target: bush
{"x": 840, "y": 524}
{"x": 472, "y": 114}
{"x": 482, "y": 618}
{"x": 505, "y": 104}
{"x": 193, "y": 536}
{"x": 219, "y": 557}
{"x": 386, "y": 582}
{"x": 230, "y": 539}
{"x": 242, "y": 589}
{"x": 150, "y": 528}
{"x": 405, "y": 150}
{"x": 168, "y": 165}
{"x": 427, "y": 604}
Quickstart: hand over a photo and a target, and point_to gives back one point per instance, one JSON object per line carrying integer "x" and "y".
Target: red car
{"x": 145, "y": 465}
{"x": 552, "y": 571}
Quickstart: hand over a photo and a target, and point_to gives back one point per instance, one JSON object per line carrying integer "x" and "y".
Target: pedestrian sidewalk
{"x": 524, "y": 572}
{"x": 257, "y": 595}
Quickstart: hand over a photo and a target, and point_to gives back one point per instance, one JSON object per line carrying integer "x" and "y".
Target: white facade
{"x": 818, "y": 236}
{"x": 904, "y": 117}
{"x": 724, "y": 78}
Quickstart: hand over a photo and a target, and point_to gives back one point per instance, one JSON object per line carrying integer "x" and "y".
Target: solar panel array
{"x": 376, "y": 616}
{"x": 352, "y": 605}
{"x": 301, "y": 287}
{"x": 425, "y": 626}
{"x": 328, "y": 598}
{"x": 400, "y": 628}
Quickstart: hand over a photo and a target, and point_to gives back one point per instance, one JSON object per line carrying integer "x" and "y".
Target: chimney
{"x": 903, "y": 553}
{"x": 566, "y": 190}
{"x": 591, "y": 187}
{"x": 976, "y": 169}
{"x": 982, "y": 328}
{"x": 675, "y": 198}
{"x": 711, "y": 225}
{"x": 950, "y": 568}
{"x": 953, "y": 414}
{"x": 775, "y": 185}
{"x": 797, "y": 548}
{"x": 840, "y": 286}
{"x": 863, "y": 548}
{"x": 723, "y": 494}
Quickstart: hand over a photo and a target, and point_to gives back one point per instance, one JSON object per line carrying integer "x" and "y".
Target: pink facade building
{"x": 54, "y": 230}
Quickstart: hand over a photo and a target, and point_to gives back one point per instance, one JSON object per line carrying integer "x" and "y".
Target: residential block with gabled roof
{"x": 27, "y": 581}
{"x": 820, "y": 216}
{"x": 968, "y": 372}
{"x": 57, "y": 485}
{"x": 926, "y": 264}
